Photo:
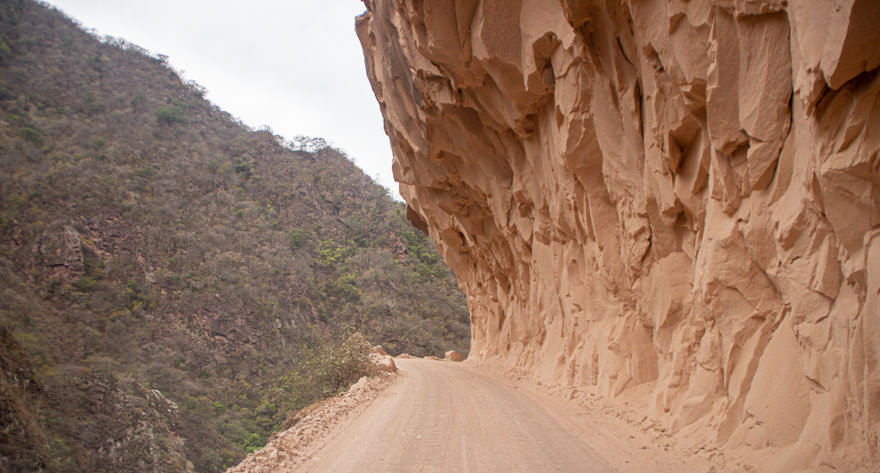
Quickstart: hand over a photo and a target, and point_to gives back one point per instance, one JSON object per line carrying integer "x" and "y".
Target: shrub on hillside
{"x": 326, "y": 369}
{"x": 171, "y": 115}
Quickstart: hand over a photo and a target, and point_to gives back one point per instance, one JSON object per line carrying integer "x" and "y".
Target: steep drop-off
{"x": 665, "y": 197}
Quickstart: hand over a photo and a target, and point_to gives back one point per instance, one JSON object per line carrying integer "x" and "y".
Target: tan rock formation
{"x": 678, "y": 195}
{"x": 452, "y": 355}
{"x": 383, "y": 362}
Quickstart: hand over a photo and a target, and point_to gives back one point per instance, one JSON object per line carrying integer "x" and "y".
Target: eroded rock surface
{"x": 683, "y": 195}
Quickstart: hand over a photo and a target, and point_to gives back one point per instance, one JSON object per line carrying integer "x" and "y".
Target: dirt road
{"x": 446, "y": 417}
{"x": 451, "y": 417}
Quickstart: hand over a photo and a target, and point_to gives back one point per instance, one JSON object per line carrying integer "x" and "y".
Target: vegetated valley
{"x": 173, "y": 283}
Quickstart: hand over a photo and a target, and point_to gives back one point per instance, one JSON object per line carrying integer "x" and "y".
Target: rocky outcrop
{"x": 664, "y": 196}
{"x": 452, "y": 355}
{"x": 60, "y": 246}
{"x": 383, "y": 363}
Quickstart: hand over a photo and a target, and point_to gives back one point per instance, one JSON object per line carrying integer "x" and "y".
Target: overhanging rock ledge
{"x": 663, "y": 196}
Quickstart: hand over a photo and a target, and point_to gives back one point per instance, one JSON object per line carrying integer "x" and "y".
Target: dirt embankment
{"x": 287, "y": 449}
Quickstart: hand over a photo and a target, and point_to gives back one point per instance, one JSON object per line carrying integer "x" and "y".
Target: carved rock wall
{"x": 664, "y": 196}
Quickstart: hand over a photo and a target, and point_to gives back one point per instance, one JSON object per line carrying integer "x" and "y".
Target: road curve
{"x": 451, "y": 417}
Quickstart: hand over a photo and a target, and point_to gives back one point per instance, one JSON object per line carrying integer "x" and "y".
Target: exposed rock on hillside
{"x": 671, "y": 194}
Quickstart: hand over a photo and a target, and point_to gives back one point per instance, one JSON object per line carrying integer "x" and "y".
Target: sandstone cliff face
{"x": 681, "y": 198}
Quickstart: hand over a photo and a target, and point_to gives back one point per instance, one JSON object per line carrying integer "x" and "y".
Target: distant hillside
{"x": 167, "y": 274}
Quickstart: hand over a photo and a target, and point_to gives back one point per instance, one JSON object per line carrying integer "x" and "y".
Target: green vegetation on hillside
{"x": 172, "y": 283}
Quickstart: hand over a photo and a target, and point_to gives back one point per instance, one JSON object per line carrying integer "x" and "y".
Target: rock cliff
{"x": 672, "y": 197}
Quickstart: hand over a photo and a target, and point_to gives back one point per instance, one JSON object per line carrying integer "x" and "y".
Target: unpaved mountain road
{"x": 458, "y": 417}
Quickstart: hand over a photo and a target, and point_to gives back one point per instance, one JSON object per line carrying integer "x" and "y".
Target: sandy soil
{"x": 439, "y": 416}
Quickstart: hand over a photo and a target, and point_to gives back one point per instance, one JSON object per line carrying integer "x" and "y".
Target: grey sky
{"x": 294, "y": 65}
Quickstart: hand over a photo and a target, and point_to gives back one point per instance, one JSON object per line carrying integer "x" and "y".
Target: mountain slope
{"x": 167, "y": 272}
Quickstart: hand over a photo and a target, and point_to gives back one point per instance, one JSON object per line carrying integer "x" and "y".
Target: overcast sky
{"x": 294, "y": 65}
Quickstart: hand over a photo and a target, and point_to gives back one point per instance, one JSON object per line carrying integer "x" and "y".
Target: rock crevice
{"x": 675, "y": 195}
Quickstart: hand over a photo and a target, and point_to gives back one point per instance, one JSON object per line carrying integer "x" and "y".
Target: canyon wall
{"x": 674, "y": 198}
